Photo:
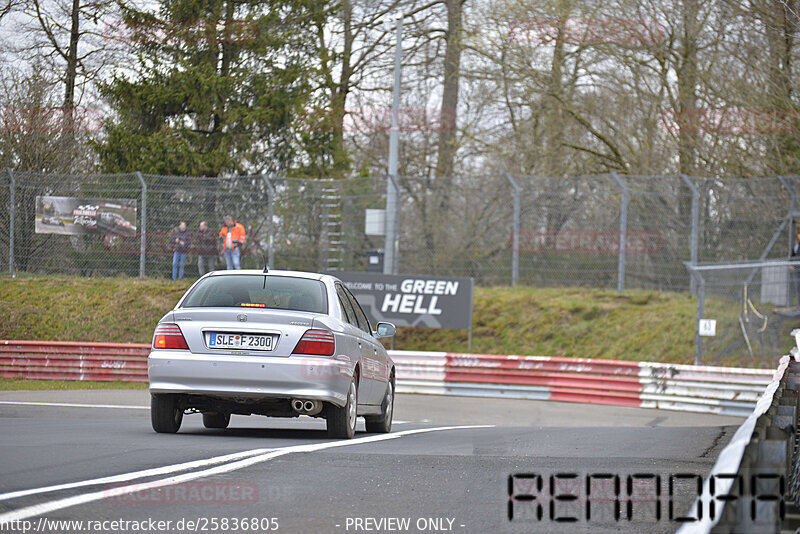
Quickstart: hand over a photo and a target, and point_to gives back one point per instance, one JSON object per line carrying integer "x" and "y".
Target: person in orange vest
{"x": 233, "y": 237}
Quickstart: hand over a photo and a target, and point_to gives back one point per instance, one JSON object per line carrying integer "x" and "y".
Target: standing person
{"x": 232, "y": 236}
{"x": 206, "y": 249}
{"x": 795, "y": 256}
{"x": 181, "y": 241}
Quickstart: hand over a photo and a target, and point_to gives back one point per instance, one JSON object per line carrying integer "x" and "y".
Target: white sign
{"x": 375, "y": 222}
{"x": 708, "y": 327}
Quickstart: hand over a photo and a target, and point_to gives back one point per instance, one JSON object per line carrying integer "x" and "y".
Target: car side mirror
{"x": 384, "y": 330}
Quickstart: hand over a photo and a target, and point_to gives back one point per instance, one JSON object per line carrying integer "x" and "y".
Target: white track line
{"x": 52, "y": 506}
{"x": 70, "y": 405}
{"x": 167, "y": 469}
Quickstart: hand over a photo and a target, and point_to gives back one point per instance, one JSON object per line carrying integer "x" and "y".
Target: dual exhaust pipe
{"x": 306, "y": 407}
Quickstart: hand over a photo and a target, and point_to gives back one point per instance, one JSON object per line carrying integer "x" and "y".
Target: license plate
{"x": 224, "y": 340}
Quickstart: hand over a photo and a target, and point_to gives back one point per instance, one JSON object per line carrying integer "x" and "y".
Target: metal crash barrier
{"x": 754, "y": 485}
{"x": 721, "y": 390}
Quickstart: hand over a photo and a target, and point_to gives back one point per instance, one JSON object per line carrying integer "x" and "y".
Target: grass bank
{"x": 574, "y": 322}
{"x": 19, "y": 384}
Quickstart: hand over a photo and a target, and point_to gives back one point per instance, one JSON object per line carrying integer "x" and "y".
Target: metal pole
{"x": 270, "y": 209}
{"x": 698, "y": 339}
{"x": 701, "y": 303}
{"x": 790, "y": 216}
{"x": 695, "y": 229}
{"x": 471, "y": 318}
{"x": 623, "y": 227}
{"x": 397, "y": 224}
{"x": 792, "y": 209}
{"x": 391, "y": 244}
{"x": 12, "y": 188}
{"x": 143, "y": 227}
{"x": 514, "y": 232}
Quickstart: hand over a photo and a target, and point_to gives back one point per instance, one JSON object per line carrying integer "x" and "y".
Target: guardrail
{"x": 753, "y": 485}
{"x": 721, "y": 390}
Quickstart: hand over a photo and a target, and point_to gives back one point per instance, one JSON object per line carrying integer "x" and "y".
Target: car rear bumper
{"x": 248, "y": 376}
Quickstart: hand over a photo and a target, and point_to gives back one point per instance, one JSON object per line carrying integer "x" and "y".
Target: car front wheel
{"x": 342, "y": 421}
{"x": 382, "y": 424}
{"x": 166, "y": 413}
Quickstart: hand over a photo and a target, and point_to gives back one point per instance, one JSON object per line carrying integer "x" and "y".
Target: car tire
{"x": 166, "y": 413}
{"x": 342, "y": 421}
{"x": 216, "y": 420}
{"x": 382, "y": 424}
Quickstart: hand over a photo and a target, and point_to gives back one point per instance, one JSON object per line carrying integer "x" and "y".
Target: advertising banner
{"x": 81, "y": 216}
{"x": 416, "y": 301}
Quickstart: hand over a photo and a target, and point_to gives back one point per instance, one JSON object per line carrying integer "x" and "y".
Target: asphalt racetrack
{"x": 88, "y": 461}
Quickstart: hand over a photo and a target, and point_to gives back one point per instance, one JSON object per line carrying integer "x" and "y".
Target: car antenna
{"x": 266, "y": 270}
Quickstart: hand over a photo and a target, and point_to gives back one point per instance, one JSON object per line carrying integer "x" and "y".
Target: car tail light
{"x": 169, "y": 336}
{"x": 317, "y": 342}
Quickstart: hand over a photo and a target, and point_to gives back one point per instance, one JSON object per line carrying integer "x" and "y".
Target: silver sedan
{"x": 277, "y": 343}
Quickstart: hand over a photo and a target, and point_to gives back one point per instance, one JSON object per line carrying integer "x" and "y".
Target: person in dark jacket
{"x": 181, "y": 241}
{"x": 206, "y": 242}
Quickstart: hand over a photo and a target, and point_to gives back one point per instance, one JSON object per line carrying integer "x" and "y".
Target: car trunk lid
{"x": 201, "y": 325}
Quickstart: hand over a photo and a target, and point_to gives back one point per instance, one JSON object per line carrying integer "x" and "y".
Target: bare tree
{"x": 35, "y": 135}
{"x": 780, "y": 19}
{"x": 74, "y": 39}
{"x": 7, "y": 6}
{"x": 362, "y": 36}
{"x": 450, "y": 85}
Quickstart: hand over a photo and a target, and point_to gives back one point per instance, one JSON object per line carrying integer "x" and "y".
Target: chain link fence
{"x": 609, "y": 231}
{"x": 601, "y": 231}
{"x": 746, "y": 312}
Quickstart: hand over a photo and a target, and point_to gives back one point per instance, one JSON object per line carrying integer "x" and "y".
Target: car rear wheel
{"x": 216, "y": 420}
{"x": 342, "y": 421}
{"x": 382, "y": 424}
{"x": 166, "y": 413}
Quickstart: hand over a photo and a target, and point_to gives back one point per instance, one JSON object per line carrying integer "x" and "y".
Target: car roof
{"x": 294, "y": 274}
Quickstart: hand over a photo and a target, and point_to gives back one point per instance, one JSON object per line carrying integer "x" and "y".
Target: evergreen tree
{"x": 216, "y": 88}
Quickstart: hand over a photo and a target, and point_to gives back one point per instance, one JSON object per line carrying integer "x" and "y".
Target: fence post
{"x": 143, "y": 228}
{"x": 701, "y": 304}
{"x": 698, "y": 339}
{"x": 695, "y": 229}
{"x": 515, "y": 233}
{"x": 12, "y": 188}
{"x": 270, "y": 208}
{"x": 792, "y": 208}
{"x": 623, "y": 227}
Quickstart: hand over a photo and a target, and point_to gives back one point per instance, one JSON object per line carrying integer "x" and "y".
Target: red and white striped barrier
{"x": 67, "y": 360}
{"x": 722, "y": 390}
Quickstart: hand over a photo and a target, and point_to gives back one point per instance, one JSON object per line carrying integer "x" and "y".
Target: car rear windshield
{"x": 259, "y": 291}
